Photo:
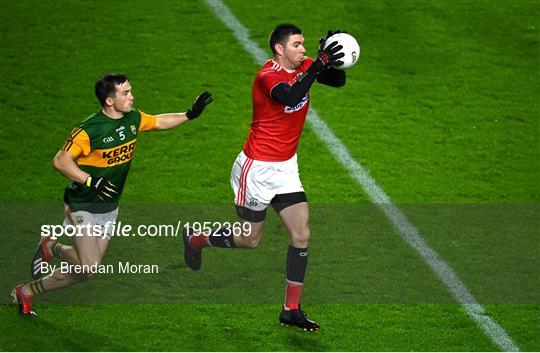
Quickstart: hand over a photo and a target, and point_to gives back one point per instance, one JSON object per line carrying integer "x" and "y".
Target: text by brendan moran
{"x": 121, "y": 268}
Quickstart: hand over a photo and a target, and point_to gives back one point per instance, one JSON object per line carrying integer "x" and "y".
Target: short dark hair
{"x": 106, "y": 86}
{"x": 281, "y": 33}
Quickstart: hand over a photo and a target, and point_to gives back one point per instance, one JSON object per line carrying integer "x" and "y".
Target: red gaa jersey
{"x": 276, "y": 128}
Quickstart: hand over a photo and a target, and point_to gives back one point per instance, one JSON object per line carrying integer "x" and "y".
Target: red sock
{"x": 292, "y": 295}
{"x": 199, "y": 241}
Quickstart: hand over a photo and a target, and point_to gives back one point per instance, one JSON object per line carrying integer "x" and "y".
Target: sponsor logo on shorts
{"x": 253, "y": 203}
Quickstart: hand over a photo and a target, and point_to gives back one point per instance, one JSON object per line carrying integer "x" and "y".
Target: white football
{"x": 351, "y": 49}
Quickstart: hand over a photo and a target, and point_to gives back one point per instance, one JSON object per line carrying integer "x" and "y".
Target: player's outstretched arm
{"x": 172, "y": 120}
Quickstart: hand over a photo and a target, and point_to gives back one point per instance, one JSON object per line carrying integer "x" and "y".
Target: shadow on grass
{"x": 299, "y": 340}
{"x": 47, "y": 333}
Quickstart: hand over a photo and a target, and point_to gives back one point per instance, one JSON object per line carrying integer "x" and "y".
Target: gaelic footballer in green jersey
{"x": 96, "y": 158}
{"x": 104, "y": 147}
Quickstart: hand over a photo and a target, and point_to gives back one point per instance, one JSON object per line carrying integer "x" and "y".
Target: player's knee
{"x": 88, "y": 269}
{"x": 86, "y": 273}
{"x": 85, "y": 276}
{"x": 251, "y": 242}
{"x": 253, "y": 233}
{"x": 301, "y": 237}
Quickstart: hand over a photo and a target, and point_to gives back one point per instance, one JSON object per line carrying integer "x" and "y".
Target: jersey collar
{"x": 287, "y": 70}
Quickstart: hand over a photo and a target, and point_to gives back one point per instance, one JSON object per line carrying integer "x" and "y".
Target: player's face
{"x": 123, "y": 100}
{"x": 294, "y": 52}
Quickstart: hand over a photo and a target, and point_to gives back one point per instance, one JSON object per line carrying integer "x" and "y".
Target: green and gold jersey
{"x": 104, "y": 147}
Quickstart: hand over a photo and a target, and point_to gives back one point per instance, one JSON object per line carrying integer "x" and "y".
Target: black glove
{"x": 201, "y": 102}
{"x": 102, "y": 187}
{"x": 329, "y": 56}
{"x": 330, "y": 33}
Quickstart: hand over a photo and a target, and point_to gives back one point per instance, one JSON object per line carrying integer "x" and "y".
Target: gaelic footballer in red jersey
{"x": 276, "y": 128}
{"x": 266, "y": 171}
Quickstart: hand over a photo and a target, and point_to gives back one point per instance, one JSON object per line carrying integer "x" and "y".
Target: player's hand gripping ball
{"x": 351, "y": 49}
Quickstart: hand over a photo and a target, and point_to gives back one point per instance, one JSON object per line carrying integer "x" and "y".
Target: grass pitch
{"x": 442, "y": 109}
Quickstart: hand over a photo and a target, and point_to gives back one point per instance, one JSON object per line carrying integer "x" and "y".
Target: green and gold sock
{"x": 56, "y": 249}
{"x": 35, "y": 287}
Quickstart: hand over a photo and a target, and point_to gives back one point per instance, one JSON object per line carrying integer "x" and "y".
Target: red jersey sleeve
{"x": 269, "y": 79}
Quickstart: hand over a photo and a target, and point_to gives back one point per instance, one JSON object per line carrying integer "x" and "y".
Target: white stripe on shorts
{"x": 243, "y": 176}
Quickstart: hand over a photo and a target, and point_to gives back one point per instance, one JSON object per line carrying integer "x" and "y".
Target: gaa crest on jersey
{"x": 133, "y": 129}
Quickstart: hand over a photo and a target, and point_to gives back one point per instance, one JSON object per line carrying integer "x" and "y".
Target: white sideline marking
{"x": 408, "y": 231}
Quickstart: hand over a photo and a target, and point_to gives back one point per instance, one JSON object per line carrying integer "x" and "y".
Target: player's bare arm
{"x": 65, "y": 164}
{"x": 172, "y": 120}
